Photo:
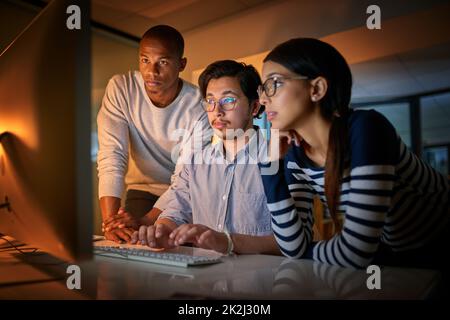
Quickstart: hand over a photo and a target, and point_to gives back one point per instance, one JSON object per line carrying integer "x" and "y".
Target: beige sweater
{"x": 136, "y": 138}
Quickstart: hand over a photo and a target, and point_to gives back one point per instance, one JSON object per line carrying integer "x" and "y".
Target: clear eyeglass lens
{"x": 269, "y": 87}
{"x": 227, "y": 103}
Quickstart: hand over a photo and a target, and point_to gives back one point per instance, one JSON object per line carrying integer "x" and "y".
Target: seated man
{"x": 217, "y": 200}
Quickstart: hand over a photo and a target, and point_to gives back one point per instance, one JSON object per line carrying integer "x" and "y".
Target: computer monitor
{"x": 45, "y": 168}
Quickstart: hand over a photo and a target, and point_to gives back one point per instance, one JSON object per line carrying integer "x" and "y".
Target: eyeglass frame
{"x": 261, "y": 88}
{"x": 203, "y": 101}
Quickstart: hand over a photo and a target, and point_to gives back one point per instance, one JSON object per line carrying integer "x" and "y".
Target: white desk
{"x": 237, "y": 277}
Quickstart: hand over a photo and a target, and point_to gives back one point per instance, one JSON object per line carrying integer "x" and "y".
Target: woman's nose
{"x": 263, "y": 99}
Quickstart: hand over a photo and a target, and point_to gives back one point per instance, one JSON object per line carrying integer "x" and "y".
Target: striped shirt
{"x": 388, "y": 195}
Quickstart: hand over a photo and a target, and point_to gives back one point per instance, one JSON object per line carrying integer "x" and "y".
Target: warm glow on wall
{"x": 22, "y": 130}
{"x": 255, "y": 60}
{"x": 2, "y": 135}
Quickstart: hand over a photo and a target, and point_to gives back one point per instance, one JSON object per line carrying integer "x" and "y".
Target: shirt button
{"x": 219, "y": 226}
{"x": 224, "y": 197}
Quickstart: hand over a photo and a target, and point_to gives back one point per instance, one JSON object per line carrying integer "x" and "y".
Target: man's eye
{"x": 210, "y": 101}
{"x": 163, "y": 62}
{"x": 227, "y": 100}
{"x": 144, "y": 60}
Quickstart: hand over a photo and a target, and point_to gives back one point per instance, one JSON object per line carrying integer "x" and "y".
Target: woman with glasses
{"x": 217, "y": 201}
{"x": 394, "y": 206}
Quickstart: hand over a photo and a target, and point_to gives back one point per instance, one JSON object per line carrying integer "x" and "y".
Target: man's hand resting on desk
{"x": 200, "y": 236}
{"x": 119, "y": 227}
{"x": 124, "y": 219}
{"x": 119, "y": 235}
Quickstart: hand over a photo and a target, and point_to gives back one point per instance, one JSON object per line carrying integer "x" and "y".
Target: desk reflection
{"x": 302, "y": 279}
{"x": 254, "y": 277}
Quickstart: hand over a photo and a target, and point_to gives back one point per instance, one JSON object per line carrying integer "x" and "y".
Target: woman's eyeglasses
{"x": 270, "y": 86}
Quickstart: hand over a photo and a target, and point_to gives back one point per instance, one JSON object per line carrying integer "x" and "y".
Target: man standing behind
{"x": 139, "y": 115}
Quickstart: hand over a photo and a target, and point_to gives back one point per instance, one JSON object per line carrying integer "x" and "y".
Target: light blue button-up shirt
{"x": 222, "y": 194}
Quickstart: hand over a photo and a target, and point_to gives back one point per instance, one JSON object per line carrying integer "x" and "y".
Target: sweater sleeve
{"x": 113, "y": 141}
{"x": 290, "y": 202}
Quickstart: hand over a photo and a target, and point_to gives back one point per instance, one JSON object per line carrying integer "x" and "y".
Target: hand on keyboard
{"x": 200, "y": 236}
{"x": 155, "y": 236}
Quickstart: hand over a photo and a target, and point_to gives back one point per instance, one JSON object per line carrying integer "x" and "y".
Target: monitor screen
{"x": 45, "y": 168}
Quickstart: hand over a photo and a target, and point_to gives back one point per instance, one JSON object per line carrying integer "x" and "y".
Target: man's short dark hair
{"x": 167, "y": 34}
{"x": 248, "y": 78}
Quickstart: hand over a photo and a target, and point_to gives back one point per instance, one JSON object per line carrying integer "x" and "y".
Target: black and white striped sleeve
{"x": 290, "y": 203}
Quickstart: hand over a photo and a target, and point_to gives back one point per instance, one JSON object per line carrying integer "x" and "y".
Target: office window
{"x": 437, "y": 157}
{"x": 110, "y": 55}
{"x": 398, "y": 115}
{"x": 435, "y": 116}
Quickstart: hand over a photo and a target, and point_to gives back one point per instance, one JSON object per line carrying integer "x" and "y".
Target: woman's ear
{"x": 319, "y": 87}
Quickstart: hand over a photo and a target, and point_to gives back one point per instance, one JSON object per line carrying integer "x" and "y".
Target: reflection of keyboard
{"x": 146, "y": 255}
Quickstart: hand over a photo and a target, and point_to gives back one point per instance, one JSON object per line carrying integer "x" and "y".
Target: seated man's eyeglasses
{"x": 226, "y": 104}
{"x": 270, "y": 86}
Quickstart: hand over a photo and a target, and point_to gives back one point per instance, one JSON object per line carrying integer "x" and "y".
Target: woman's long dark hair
{"x": 314, "y": 58}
